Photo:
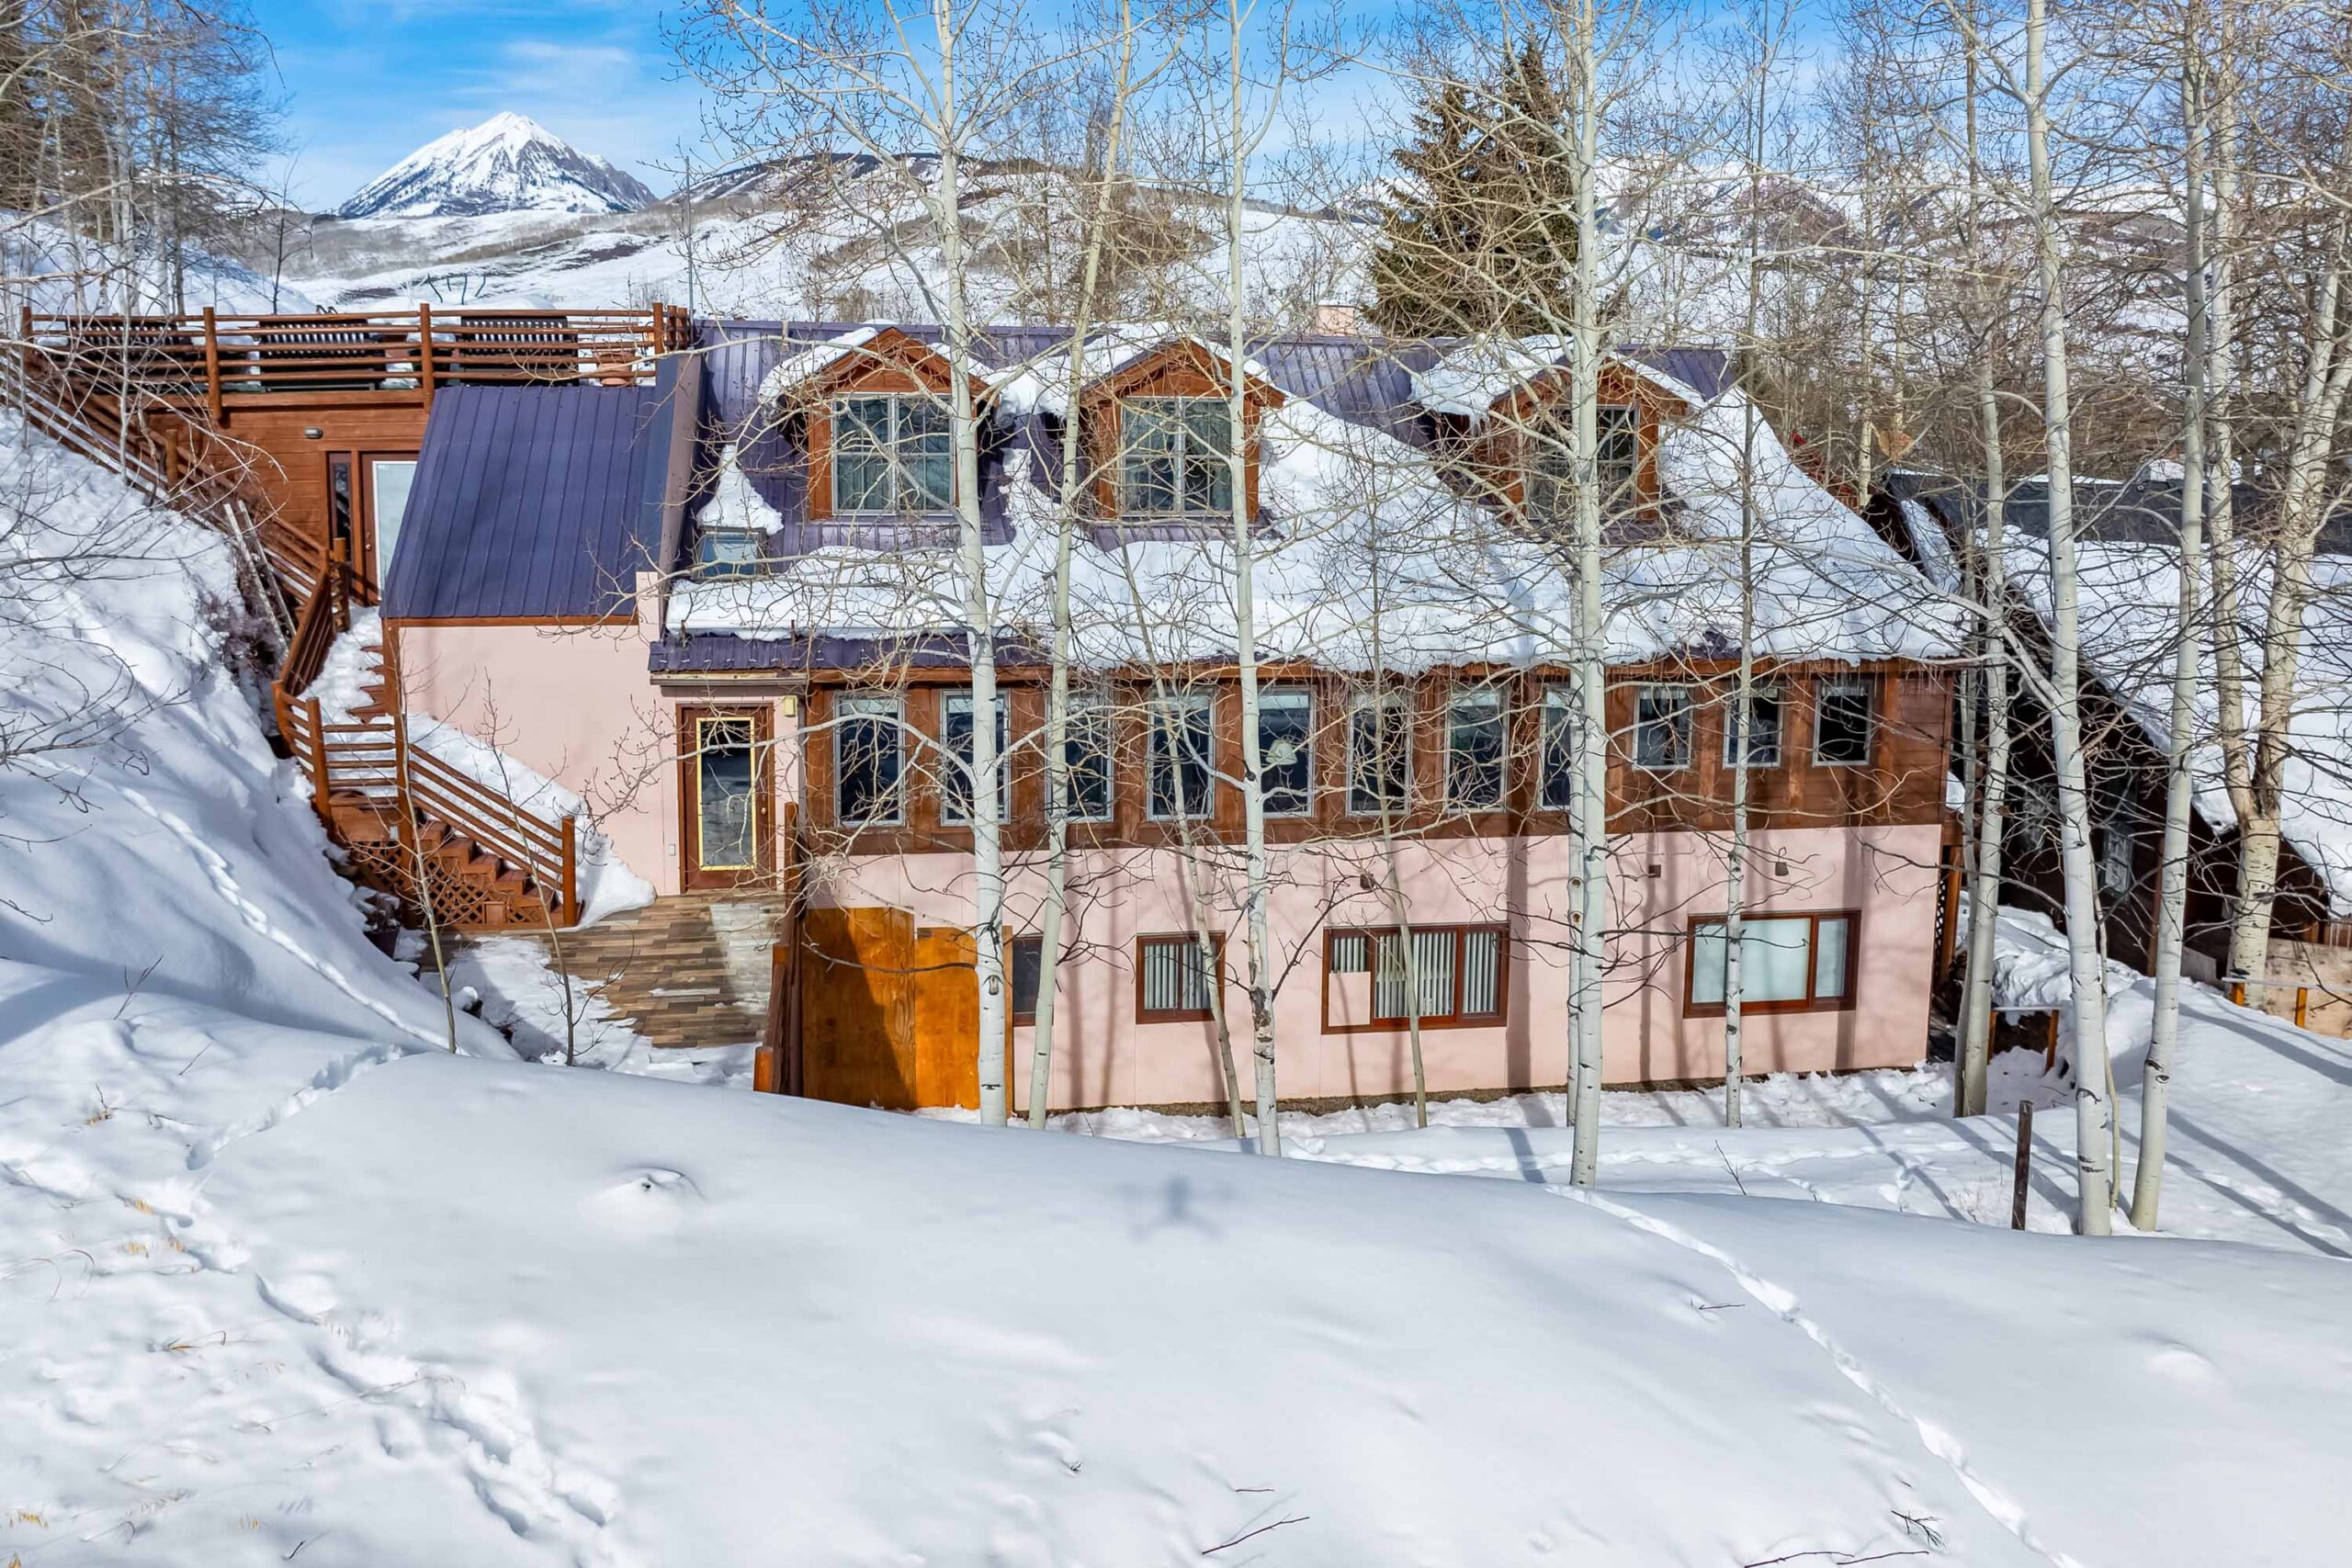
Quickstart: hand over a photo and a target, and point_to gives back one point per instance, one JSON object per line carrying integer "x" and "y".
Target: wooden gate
{"x": 888, "y": 1012}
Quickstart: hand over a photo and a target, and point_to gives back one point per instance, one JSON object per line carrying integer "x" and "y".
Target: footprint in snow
{"x": 650, "y": 1199}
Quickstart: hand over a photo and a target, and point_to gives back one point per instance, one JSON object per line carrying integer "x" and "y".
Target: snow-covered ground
{"x": 284, "y": 1281}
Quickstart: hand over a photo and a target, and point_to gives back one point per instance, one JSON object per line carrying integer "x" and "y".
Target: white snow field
{"x": 282, "y": 1281}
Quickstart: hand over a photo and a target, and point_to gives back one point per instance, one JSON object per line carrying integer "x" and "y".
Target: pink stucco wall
{"x": 1103, "y": 1056}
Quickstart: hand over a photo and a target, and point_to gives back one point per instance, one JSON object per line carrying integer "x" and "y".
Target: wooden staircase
{"x": 455, "y": 851}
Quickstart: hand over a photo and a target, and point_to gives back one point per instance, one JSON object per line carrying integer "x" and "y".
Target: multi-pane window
{"x": 1175, "y": 976}
{"x": 1763, "y": 728}
{"x": 1286, "y": 750}
{"x": 1550, "y": 475}
{"x": 1787, "y": 963}
{"x": 1662, "y": 728}
{"x": 728, "y": 552}
{"x": 866, "y": 761}
{"x": 1178, "y": 756}
{"x": 1557, "y": 790}
{"x": 1380, "y": 753}
{"x": 1475, "y": 738}
{"x": 956, "y": 776}
{"x": 1025, "y": 966}
{"x": 891, "y": 454}
{"x": 1842, "y": 722}
{"x": 1175, "y": 457}
{"x": 1384, "y": 977}
{"x": 1086, "y": 754}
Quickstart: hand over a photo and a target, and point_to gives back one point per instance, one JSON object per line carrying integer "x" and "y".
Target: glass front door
{"x": 726, "y": 812}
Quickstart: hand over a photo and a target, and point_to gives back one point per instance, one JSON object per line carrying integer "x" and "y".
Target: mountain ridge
{"x": 507, "y": 164}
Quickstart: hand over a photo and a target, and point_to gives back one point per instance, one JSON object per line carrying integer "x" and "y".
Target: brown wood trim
{"x": 1499, "y": 1019}
{"x": 1179, "y": 1015}
{"x": 1811, "y": 1003}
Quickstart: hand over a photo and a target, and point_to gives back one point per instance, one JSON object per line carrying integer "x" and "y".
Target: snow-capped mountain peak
{"x": 507, "y": 164}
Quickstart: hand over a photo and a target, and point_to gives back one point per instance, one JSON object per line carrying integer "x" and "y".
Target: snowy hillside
{"x": 507, "y": 164}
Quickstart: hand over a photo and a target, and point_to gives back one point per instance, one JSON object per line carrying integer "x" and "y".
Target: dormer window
{"x": 728, "y": 552}
{"x": 1551, "y": 476}
{"x": 891, "y": 454}
{"x": 1175, "y": 457}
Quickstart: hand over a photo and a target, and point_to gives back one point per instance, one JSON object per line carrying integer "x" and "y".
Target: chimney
{"x": 1335, "y": 318}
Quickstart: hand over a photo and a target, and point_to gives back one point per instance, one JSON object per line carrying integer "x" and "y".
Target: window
{"x": 1763, "y": 728}
{"x": 1380, "y": 753}
{"x": 1174, "y": 456}
{"x": 1180, "y": 749}
{"x": 955, "y": 779}
{"x": 866, "y": 761}
{"x": 891, "y": 454}
{"x": 1473, "y": 750}
{"x": 1175, "y": 976}
{"x": 1842, "y": 723}
{"x": 1787, "y": 963}
{"x": 388, "y": 483}
{"x": 1559, "y": 782}
{"x": 1450, "y": 976}
{"x": 1286, "y": 750}
{"x": 1026, "y": 964}
{"x": 1551, "y": 476}
{"x": 1086, "y": 754}
{"x": 1662, "y": 728}
{"x": 2115, "y": 848}
{"x": 727, "y": 552}
{"x": 726, "y": 795}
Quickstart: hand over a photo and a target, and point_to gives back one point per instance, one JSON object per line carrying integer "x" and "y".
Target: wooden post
{"x": 1950, "y": 932}
{"x": 424, "y": 352}
{"x": 2238, "y": 992}
{"x": 404, "y": 806}
{"x": 765, "y": 1076}
{"x": 2025, "y": 1166}
{"x": 319, "y": 765}
{"x": 571, "y": 871}
{"x": 212, "y": 363}
{"x": 2302, "y": 1004}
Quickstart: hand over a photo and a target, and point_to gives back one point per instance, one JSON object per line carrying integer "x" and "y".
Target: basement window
{"x": 1787, "y": 963}
{"x": 1175, "y": 976}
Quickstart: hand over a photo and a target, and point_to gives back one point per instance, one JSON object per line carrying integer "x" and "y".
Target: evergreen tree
{"x": 1480, "y": 234}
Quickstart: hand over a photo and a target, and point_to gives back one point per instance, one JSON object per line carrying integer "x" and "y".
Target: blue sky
{"x": 368, "y": 81}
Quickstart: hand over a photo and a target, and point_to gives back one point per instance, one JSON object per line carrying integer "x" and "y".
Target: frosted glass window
{"x": 1789, "y": 961}
{"x": 1830, "y": 940}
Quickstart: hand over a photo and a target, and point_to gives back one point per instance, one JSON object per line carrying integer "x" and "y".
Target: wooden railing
{"x": 219, "y": 360}
{"x": 372, "y": 764}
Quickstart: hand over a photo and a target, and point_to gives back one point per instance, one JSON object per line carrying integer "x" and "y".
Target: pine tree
{"x": 1480, "y": 236}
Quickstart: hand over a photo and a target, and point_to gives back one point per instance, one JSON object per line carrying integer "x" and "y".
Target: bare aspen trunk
{"x": 2093, "y": 1113}
{"x": 2172, "y": 896}
{"x": 1590, "y": 827}
{"x": 980, "y": 620}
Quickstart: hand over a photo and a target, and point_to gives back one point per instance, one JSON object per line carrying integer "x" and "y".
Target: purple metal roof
{"x": 536, "y": 500}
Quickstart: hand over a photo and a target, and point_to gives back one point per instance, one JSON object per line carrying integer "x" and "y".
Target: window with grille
{"x": 866, "y": 761}
{"x": 1551, "y": 476}
{"x": 1180, "y": 753}
{"x": 1475, "y": 741}
{"x": 956, "y": 778}
{"x": 1175, "y": 976}
{"x": 1662, "y": 728}
{"x": 1787, "y": 963}
{"x": 1842, "y": 723}
{"x": 1384, "y": 977}
{"x": 891, "y": 455}
{"x": 1286, "y": 750}
{"x": 1175, "y": 457}
{"x": 1380, "y": 753}
{"x": 1763, "y": 728}
{"x": 1559, "y": 783}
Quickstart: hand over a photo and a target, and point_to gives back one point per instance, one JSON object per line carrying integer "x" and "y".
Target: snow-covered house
{"x": 724, "y": 610}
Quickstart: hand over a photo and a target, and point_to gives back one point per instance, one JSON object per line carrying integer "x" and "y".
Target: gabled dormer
{"x": 873, "y": 416}
{"x": 1157, "y": 432}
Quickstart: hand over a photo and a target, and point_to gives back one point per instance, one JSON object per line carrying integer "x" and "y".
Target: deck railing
{"x": 221, "y": 360}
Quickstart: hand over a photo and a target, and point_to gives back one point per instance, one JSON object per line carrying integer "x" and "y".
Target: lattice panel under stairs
{"x": 467, "y": 900}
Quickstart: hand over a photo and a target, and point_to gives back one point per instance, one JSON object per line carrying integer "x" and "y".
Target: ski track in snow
{"x": 1783, "y": 1303}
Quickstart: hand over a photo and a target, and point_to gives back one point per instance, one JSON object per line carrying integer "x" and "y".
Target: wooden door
{"x": 889, "y": 1015}
{"x": 726, "y": 831}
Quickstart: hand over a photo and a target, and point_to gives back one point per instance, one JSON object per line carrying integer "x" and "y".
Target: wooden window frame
{"x": 1500, "y": 697}
{"x": 1733, "y": 719}
{"x": 1307, "y": 807}
{"x": 1499, "y": 1019}
{"x": 896, "y": 717}
{"x": 1402, "y": 699}
{"x": 1868, "y": 686}
{"x": 1207, "y": 703}
{"x": 1811, "y": 1002}
{"x": 900, "y": 475}
{"x": 1689, "y": 759}
{"x": 1217, "y": 978}
{"x": 1183, "y": 455}
{"x": 1545, "y": 706}
{"x": 1014, "y": 943}
{"x": 1107, "y": 713}
{"x": 950, "y": 762}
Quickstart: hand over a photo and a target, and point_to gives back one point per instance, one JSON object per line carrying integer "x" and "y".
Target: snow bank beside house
{"x": 355, "y": 666}
{"x": 164, "y": 851}
{"x": 595, "y": 1326}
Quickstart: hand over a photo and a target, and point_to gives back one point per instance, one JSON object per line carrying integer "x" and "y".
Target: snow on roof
{"x": 2130, "y": 595}
{"x": 1043, "y": 387}
{"x": 1369, "y": 562}
{"x": 733, "y": 503}
{"x": 1469, "y": 379}
{"x": 805, "y": 364}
